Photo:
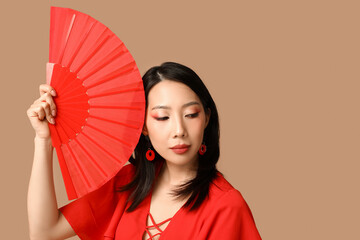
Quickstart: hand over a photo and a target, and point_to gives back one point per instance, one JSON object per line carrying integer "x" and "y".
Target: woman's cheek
{"x": 200, "y": 121}
{"x": 155, "y": 124}
{"x": 196, "y": 126}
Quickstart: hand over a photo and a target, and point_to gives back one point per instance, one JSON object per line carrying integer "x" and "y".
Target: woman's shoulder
{"x": 227, "y": 214}
{"x": 127, "y": 169}
{"x": 222, "y": 192}
{"x": 125, "y": 175}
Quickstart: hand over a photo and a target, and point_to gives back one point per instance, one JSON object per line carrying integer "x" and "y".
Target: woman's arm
{"x": 45, "y": 220}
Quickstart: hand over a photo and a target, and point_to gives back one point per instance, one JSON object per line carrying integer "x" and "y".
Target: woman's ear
{"x": 145, "y": 131}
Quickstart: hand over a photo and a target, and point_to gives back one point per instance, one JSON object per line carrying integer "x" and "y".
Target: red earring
{"x": 202, "y": 149}
{"x": 150, "y": 155}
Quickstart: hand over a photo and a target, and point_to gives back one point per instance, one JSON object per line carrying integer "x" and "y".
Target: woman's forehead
{"x": 170, "y": 93}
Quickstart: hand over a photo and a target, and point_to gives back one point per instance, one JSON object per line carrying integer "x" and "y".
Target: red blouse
{"x": 101, "y": 215}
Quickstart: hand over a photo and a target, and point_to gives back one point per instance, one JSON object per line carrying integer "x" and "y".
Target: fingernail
{"x": 52, "y": 121}
{"x": 53, "y": 112}
{"x": 53, "y": 93}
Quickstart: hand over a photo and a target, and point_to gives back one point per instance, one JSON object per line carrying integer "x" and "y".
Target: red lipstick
{"x": 180, "y": 148}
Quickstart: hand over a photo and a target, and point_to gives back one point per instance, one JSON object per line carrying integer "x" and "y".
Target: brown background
{"x": 284, "y": 75}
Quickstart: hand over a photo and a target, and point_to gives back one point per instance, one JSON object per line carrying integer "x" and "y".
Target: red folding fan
{"x": 100, "y": 100}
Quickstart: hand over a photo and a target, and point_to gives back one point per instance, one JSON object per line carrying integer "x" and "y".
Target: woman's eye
{"x": 193, "y": 115}
{"x": 166, "y": 118}
{"x": 162, "y": 118}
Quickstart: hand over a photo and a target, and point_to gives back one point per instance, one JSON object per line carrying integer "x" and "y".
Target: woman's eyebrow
{"x": 167, "y": 107}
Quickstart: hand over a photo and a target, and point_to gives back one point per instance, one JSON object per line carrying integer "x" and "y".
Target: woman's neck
{"x": 172, "y": 175}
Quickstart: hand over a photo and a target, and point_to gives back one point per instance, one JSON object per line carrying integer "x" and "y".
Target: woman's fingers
{"x": 47, "y": 110}
{"x": 37, "y": 111}
{"x": 45, "y": 88}
{"x": 46, "y": 97}
{"x": 34, "y": 111}
{"x": 40, "y": 112}
{"x": 41, "y": 109}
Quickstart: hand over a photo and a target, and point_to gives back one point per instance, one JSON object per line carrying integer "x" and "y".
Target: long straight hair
{"x": 144, "y": 178}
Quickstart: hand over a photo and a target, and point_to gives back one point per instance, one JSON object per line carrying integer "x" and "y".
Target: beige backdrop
{"x": 284, "y": 75}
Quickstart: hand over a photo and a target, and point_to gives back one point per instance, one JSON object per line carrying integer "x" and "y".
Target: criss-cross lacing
{"x": 151, "y": 237}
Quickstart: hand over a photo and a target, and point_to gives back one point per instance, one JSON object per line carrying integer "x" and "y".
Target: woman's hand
{"x": 42, "y": 111}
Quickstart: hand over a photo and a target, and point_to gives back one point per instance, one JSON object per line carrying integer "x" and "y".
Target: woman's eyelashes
{"x": 193, "y": 115}
{"x": 161, "y": 119}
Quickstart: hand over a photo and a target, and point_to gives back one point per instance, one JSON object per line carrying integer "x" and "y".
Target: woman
{"x": 171, "y": 188}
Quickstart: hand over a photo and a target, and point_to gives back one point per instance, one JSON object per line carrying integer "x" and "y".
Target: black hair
{"x": 198, "y": 187}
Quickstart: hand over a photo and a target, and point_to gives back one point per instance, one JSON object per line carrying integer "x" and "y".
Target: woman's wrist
{"x": 42, "y": 140}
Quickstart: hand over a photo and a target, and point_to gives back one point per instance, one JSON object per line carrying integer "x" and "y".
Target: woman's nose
{"x": 179, "y": 129}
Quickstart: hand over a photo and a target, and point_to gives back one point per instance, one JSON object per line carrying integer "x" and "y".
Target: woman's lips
{"x": 180, "y": 150}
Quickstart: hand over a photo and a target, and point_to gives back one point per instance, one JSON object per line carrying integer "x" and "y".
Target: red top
{"x": 101, "y": 215}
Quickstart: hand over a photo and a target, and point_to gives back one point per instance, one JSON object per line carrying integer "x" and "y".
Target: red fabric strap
{"x": 151, "y": 237}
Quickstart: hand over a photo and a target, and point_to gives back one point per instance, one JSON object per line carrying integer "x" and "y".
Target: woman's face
{"x": 175, "y": 116}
